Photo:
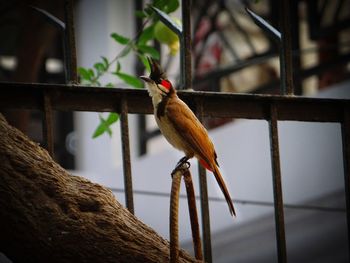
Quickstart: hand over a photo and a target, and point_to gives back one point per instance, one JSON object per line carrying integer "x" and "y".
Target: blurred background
{"x": 229, "y": 54}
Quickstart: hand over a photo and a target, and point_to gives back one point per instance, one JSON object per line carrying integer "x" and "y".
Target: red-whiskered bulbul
{"x": 181, "y": 127}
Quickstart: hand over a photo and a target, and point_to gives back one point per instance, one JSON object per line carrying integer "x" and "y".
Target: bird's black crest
{"x": 156, "y": 71}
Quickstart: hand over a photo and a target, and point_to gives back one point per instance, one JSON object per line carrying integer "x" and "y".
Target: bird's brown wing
{"x": 190, "y": 129}
{"x": 195, "y": 135}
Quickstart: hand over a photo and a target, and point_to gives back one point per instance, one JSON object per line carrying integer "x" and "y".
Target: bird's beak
{"x": 145, "y": 79}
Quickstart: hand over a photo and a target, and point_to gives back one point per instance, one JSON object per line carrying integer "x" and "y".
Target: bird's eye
{"x": 166, "y": 84}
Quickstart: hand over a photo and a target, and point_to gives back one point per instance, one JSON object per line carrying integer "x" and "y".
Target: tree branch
{"x": 48, "y": 215}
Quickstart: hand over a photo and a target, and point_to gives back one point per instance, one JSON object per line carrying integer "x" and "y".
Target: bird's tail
{"x": 224, "y": 189}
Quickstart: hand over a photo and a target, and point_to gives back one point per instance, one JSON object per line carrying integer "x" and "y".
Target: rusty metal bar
{"x": 223, "y": 71}
{"x": 174, "y": 216}
{"x": 192, "y": 208}
{"x": 48, "y": 124}
{"x": 124, "y": 126}
{"x": 346, "y": 159}
{"x": 186, "y": 45}
{"x": 247, "y": 106}
{"x": 203, "y": 189}
{"x": 331, "y": 209}
{"x": 70, "y": 56}
{"x": 69, "y": 50}
{"x": 277, "y": 186}
{"x": 286, "y": 59}
{"x": 206, "y": 234}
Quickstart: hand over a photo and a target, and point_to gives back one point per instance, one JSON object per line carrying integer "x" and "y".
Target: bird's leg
{"x": 182, "y": 161}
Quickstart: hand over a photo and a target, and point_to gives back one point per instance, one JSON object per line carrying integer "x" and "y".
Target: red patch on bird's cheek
{"x": 166, "y": 84}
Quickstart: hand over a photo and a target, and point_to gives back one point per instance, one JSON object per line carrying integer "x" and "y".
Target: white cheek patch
{"x": 152, "y": 90}
{"x": 162, "y": 88}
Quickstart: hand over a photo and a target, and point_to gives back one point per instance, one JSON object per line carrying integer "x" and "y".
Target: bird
{"x": 180, "y": 126}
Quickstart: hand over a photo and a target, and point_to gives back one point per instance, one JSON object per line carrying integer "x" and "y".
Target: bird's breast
{"x": 170, "y": 133}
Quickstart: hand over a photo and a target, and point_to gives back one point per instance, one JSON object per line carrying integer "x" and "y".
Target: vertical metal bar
{"x": 191, "y": 199}
{"x": 142, "y": 138}
{"x": 48, "y": 124}
{"x": 286, "y": 63}
{"x": 346, "y": 159}
{"x": 203, "y": 188}
{"x": 70, "y": 56}
{"x": 124, "y": 126}
{"x": 277, "y": 186}
{"x": 186, "y": 46}
{"x": 297, "y": 81}
{"x": 139, "y": 68}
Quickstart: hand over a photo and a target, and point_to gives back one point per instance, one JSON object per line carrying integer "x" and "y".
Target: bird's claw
{"x": 181, "y": 166}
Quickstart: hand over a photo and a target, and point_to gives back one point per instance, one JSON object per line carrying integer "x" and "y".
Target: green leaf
{"x": 168, "y": 6}
{"x": 84, "y": 73}
{"x": 171, "y": 6}
{"x": 102, "y": 128}
{"x": 144, "y": 62}
{"x": 140, "y": 14}
{"x": 125, "y": 51}
{"x": 129, "y": 79}
{"x": 160, "y": 4}
{"x": 99, "y": 67}
{"x": 120, "y": 39}
{"x": 99, "y": 130}
{"x": 112, "y": 118}
{"x": 105, "y": 62}
{"x": 118, "y": 67}
{"x": 146, "y": 35}
{"x": 149, "y": 50}
{"x": 105, "y": 124}
{"x": 91, "y": 73}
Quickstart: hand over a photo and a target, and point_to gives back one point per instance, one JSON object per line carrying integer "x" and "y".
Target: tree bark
{"x": 48, "y": 215}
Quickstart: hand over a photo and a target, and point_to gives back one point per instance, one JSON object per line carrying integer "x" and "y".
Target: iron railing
{"x": 272, "y": 108}
{"x": 227, "y": 105}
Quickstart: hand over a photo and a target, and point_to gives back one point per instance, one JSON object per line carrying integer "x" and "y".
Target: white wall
{"x": 95, "y": 21}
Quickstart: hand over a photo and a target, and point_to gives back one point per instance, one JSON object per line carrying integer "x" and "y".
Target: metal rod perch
{"x": 174, "y": 213}
{"x": 192, "y": 208}
{"x": 174, "y": 217}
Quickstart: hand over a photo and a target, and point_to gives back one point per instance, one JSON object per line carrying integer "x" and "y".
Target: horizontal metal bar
{"x": 246, "y": 106}
{"x": 230, "y": 69}
{"x": 328, "y": 209}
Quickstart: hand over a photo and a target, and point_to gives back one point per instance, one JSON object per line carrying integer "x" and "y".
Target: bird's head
{"x": 157, "y": 82}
